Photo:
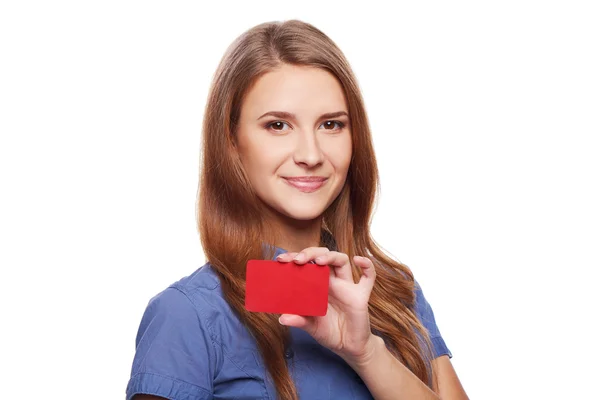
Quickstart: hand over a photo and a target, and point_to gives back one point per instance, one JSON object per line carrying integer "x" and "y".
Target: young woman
{"x": 289, "y": 173}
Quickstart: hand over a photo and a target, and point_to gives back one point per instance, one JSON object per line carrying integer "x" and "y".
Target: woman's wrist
{"x": 373, "y": 351}
{"x": 385, "y": 376}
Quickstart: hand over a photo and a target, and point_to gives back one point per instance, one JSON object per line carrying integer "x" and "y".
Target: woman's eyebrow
{"x": 287, "y": 115}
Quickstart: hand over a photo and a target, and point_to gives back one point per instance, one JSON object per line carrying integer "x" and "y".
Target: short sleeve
{"x": 174, "y": 356}
{"x": 425, "y": 314}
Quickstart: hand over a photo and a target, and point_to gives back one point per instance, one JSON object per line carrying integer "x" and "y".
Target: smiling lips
{"x": 306, "y": 184}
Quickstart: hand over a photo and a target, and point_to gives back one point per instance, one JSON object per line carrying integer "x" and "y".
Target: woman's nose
{"x": 308, "y": 151}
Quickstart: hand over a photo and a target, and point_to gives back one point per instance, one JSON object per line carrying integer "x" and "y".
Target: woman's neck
{"x": 296, "y": 235}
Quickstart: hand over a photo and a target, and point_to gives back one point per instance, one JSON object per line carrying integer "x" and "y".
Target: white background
{"x": 486, "y": 122}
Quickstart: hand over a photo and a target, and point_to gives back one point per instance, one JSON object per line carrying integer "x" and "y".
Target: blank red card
{"x": 287, "y": 288}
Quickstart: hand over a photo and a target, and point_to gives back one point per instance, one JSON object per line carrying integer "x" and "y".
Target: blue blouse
{"x": 191, "y": 346}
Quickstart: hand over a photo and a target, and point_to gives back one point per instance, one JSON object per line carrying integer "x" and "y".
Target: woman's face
{"x": 284, "y": 134}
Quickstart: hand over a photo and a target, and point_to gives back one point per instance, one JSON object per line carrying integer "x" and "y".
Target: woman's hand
{"x": 345, "y": 329}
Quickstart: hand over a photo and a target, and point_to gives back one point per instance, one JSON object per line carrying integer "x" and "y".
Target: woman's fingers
{"x": 286, "y": 257}
{"x": 306, "y": 255}
{"x": 293, "y": 320}
{"x": 310, "y": 254}
{"x": 340, "y": 263}
{"x": 367, "y": 280}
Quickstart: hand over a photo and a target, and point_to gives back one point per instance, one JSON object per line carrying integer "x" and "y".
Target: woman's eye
{"x": 329, "y": 125}
{"x": 276, "y": 125}
{"x": 332, "y": 124}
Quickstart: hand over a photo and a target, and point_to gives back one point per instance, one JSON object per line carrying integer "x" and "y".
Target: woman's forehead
{"x": 306, "y": 92}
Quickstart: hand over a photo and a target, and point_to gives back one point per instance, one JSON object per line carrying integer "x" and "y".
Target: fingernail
{"x": 299, "y": 257}
{"x": 319, "y": 259}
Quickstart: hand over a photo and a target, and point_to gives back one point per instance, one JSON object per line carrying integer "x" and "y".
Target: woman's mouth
{"x": 306, "y": 184}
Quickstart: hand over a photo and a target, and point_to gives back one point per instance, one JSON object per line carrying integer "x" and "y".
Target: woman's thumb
{"x": 293, "y": 320}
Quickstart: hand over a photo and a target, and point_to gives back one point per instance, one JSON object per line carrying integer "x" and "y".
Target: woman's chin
{"x": 303, "y": 214}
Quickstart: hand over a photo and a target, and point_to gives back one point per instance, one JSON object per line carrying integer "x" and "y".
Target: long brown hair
{"x": 230, "y": 215}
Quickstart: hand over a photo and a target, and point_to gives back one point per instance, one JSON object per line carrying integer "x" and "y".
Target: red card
{"x": 287, "y": 288}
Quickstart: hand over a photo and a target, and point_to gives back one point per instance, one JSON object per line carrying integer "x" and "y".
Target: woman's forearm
{"x": 387, "y": 378}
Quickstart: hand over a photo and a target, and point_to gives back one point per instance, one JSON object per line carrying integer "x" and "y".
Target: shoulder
{"x": 184, "y": 304}
{"x": 176, "y": 353}
{"x": 426, "y": 315}
{"x": 191, "y": 341}
{"x": 420, "y": 303}
{"x": 423, "y": 311}
{"x": 199, "y": 296}
{"x": 196, "y": 294}
{"x": 422, "y": 306}
{"x": 203, "y": 279}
